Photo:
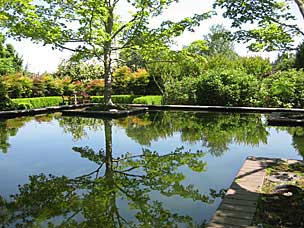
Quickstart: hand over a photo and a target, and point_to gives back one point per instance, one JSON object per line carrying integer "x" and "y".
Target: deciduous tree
{"x": 276, "y": 23}
{"x": 93, "y": 28}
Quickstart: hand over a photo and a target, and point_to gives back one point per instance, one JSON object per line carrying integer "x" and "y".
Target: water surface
{"x": 161, "y": 169}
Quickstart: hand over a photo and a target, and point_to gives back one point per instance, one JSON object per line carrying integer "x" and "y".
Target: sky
{"x": 40, "y": 59}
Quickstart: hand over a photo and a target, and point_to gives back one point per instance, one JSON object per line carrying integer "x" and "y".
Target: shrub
{"x": 138, "y": 81}
{"x": 121, "y": 78}
{"x": 54, "y": 87}
{"x": 228, "y": 87}
{"x": 119, "y": 99}
{"x": 39, "y": 89}
{"x": 283, "y": 89}
{"x": 68, "y": 86}
{"x": 38, "y": 102}
{"x": 5, "y": 102}
{"x": 222, "y": 62}
{"x": 95, "y": 87}
{"x": 284, "y": 62}
{"x": 6, "y": 66}
{"x": 181, "y": 92}
{"x": 256, "y": 65}
{"x": 24, "y": 105}
{"x": 149, "y": 100}
{"x": 127, "y": 81}
{"x": 18, "y": 85}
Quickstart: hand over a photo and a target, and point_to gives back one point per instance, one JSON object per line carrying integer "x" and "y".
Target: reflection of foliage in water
{"x": 10, "y": 127}
{"x": 91, "y": 200}
{"x": 297, "y": 134}
{"x": 78, "y": 126}
{"x": 216, "y": 131}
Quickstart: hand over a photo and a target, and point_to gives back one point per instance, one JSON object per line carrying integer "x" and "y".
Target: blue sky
{"x": 43, "y": 59}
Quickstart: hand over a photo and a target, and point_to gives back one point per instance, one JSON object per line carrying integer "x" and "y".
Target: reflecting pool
{"x": 160, "y": 169}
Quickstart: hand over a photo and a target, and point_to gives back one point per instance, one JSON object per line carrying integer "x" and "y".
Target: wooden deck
{"x": 239, "y": 205}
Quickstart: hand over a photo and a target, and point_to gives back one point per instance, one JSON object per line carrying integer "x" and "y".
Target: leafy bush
{"x": 257, "y": 66}
{"x": 222, "y": 62}
{"x": 80, "y": 71}
{"x": 24, "y": 105}
{"x": 149, "y": 100}
{"x": 37, "y": 102}
{"x": 284, "y": 62}
{"x": 53, "y": 87}
{"x": 5, "y": 102}
{"x": 6, "y": 66}
{"x": 138, "y": 81}
{"x": 120, "y": 99}
{"x": 283, "y": 89}
{"x": 127, "y": 81}
{"x": 95, "y": 87}
{"x": 18, "y": 85}
{"x": 228, "y": 87}
{"x": 39, "y": 88}
{"x": 181, "y": 92}
{"x": 250, "y": 65}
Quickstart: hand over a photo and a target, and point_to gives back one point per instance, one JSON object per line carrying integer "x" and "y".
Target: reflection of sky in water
{"x": 45, "y": 148}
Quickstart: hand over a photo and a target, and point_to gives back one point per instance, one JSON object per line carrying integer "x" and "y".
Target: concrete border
{"x": 239, "y": 205}
{"x": 31, "y": 112}
{"x": 284, "y": 119}
{"x": 217, "y": 108}
{"x": 102, "y": 114}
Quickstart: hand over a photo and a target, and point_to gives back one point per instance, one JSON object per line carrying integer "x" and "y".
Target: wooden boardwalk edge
{"x": 238, "y": 207}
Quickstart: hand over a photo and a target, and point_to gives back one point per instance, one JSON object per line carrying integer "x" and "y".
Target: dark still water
{"x": 162, "y": 169}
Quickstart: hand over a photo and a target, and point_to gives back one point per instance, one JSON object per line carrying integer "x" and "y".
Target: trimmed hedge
{"x": 149, "y": 100}
{"x": 40, "y": 102}
{"x": 37, "y": 102}
{"x": 120, "y": 99}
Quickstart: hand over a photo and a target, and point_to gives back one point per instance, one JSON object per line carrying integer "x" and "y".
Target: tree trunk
{"x": 107, "y": 59}
{"x": 300, "y": 4}
{"x": 108, "y": 138}
{"x": 108, "y": 83}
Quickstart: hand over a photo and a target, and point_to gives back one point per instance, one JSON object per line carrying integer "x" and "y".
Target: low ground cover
{"x": 282, "y": 207}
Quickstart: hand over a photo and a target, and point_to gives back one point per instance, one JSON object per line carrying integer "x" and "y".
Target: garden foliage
{"x": 149, "y": 100}
{"x": 37, "y": 102}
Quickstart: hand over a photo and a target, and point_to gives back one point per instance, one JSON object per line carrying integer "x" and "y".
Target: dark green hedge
{"x": 37, "y": 102}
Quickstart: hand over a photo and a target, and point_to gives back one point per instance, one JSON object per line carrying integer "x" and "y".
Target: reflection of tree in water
{"x": 10, "y": 127}
{"x": 216, "y": 131}
{"x": 297, "y": 134}
{"x": 78, "y": 126}
{"x": 91, "y": 200}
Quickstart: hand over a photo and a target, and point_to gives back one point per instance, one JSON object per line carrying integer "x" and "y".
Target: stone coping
{"x": 286, "y": 119}
{"x": 28, "y": 112}
{"x": 218, "y": 108}
{"x": 106, "y": 114}
{"x": 31, "y": 112}
{"x": 239, "y": 205}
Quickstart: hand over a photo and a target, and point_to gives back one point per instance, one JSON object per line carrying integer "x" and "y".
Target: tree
{"x": 79, "y": 71}
{"x": 91, "y": 28}
{"x": 90, "y": 200}
{"x": 10, "y": 61}
{"x": 276, "y": 23}
{"x": 218, "y": 42}
{"x": 299, "y": 61}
